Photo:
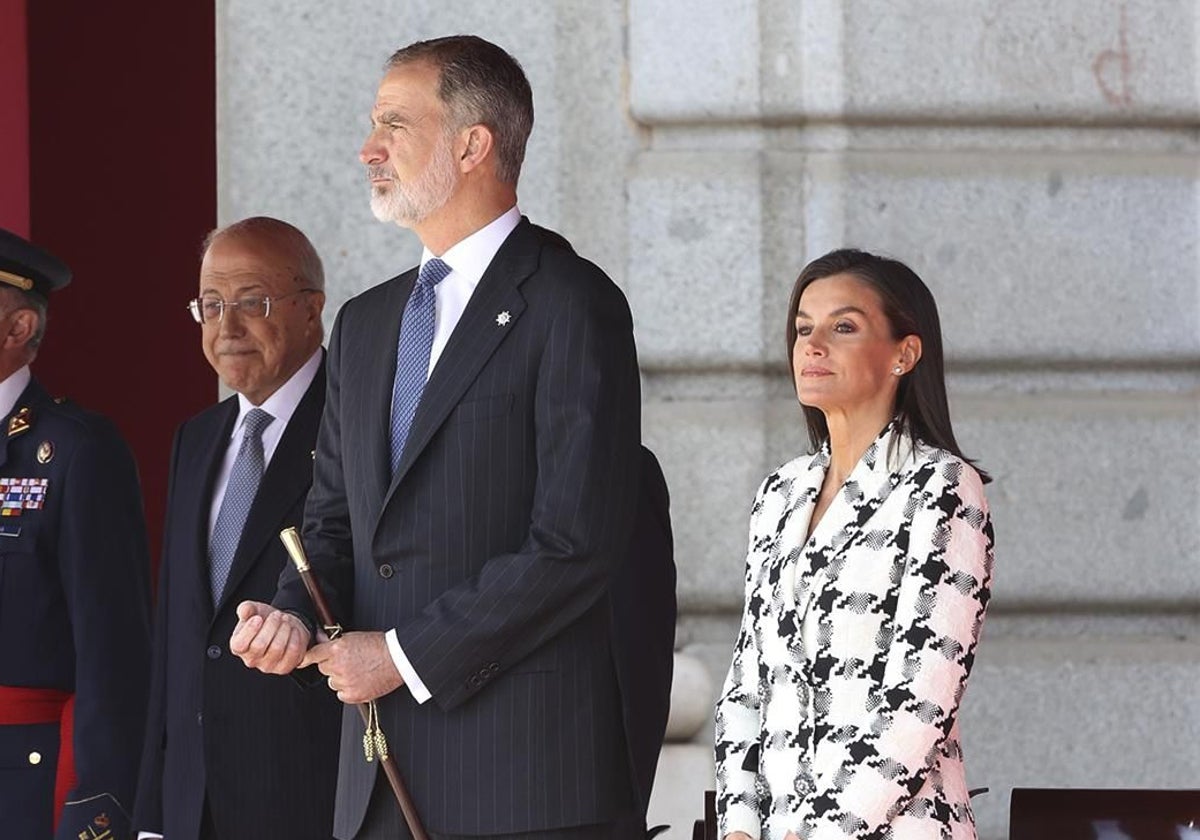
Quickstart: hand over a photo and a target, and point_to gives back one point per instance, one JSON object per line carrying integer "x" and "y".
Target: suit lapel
{"x": 202, "y": 461}
{"x": 866, "y": 488}
{"x": 287, "y": 479}
{"x": 378, "y": 375}
{"x": 479, "y": 332}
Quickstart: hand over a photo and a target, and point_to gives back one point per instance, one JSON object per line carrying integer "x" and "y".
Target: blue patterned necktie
{"x": 412, "y": 354}
{"x": 243, "y": 483}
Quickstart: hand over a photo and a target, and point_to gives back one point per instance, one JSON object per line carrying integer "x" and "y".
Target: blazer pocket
{"x": 482, "y": 408}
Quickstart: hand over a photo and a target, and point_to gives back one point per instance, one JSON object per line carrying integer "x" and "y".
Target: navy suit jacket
{"x": 262, "y": 749}
{"x": 492, "y": 548}
{"x": 74, "y": 614}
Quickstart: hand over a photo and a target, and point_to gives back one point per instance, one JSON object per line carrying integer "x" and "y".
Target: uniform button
{"x": 199, "y": 718}
{"x": 214, "y": 652}
{"x": 386, "y": 571}
{"x": 35, "y": 757}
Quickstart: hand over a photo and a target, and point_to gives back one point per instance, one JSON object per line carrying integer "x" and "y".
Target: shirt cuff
{"x": 149, "y": 835}
{"x": 419, "y": 692}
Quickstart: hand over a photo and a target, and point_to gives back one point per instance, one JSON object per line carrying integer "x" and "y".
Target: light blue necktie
{"x": 244, "y": 478}
{"x": 412, "y": 354}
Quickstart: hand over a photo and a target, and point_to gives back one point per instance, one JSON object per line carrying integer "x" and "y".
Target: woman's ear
{"x": 910, "y": 351}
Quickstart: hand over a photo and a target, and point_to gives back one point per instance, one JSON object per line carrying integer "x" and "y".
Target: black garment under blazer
{"x": 491, "y": 549}
{"x": 262, "y": 749}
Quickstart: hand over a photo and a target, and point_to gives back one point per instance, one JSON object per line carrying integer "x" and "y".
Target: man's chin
{"x": 384, "y": 211}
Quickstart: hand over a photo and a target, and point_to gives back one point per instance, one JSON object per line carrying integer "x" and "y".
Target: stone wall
{"x": 1035, "y": 162}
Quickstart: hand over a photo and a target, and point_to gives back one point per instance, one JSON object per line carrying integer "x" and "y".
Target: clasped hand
{"x": 358, "y": 665}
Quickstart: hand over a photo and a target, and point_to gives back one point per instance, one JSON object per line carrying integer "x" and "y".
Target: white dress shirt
{"x": 468, "y": 260}
{"x": 281, "y": 405}
{"x": 11, "y": 389}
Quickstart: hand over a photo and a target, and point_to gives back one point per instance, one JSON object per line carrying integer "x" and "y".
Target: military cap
{"x": 27, "y": 267}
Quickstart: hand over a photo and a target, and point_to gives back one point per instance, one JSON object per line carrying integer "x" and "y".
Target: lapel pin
{"x": 45, "y": 452}
{"x": 503, "y": 318}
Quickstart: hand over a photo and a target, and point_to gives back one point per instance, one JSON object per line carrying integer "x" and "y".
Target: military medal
{"x": 22, "y": 494}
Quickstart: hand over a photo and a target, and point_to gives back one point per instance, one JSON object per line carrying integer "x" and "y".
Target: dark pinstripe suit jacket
{"x": 491, "y": 549}
{"x": 262, "y": 749}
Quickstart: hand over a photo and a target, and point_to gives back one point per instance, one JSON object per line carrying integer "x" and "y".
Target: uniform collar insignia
{"x": 20, "y": 422}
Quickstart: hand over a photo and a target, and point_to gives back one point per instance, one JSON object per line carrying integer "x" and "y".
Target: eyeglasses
{"x": 210, "y": 309}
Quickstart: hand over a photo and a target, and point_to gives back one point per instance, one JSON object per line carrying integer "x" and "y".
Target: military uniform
{"x": 74, "y": 609}
{"x": 74, "y": 615}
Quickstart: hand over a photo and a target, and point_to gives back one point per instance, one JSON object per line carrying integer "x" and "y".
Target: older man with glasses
{"x": 231, "y": 752}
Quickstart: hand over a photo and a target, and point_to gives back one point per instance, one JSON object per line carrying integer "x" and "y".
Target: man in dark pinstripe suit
{"x": 474, "y": 557}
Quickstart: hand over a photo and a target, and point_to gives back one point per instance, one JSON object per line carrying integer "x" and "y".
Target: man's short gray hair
{"x": 479, "y": 83}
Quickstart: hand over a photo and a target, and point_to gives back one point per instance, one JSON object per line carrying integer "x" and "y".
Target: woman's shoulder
{"x": 932, "y": 465}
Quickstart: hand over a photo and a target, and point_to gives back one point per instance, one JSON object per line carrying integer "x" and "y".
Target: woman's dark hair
{"x": 922, "y": 410}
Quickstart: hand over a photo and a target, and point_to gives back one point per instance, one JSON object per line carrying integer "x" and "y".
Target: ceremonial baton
{"x": 374, "y": 744}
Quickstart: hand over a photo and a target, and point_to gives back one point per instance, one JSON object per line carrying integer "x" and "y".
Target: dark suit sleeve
{"x": 147, "y": 814}
{"x": 104, "y": 566}
{"x": 327, "y": 539}
{"x": 587, "y": 431}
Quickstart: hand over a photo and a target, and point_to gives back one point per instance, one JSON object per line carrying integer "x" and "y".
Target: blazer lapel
{"x": 479, "y": 332}
{"x": 378, "y": 375}
{"x": 866, "y": 488}
{"x": 287, "y": 479}
{"x": 203, "y": 461}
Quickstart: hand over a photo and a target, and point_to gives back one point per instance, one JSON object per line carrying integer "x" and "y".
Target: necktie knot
{"x": 432, "y": 273}
{"x": 256, "y": 421}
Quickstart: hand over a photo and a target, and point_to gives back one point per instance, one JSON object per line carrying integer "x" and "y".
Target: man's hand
{"x": 358, "y": 665}
{"x": 268, "y": 639}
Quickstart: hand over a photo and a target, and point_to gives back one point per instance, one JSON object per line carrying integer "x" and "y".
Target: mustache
{"x": 374, "y": 172}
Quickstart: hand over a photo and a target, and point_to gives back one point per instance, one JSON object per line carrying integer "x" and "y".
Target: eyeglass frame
{"x": 193, "y": 305}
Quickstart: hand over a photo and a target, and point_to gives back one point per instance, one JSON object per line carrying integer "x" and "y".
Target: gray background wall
{"x": 1035, "y": 162}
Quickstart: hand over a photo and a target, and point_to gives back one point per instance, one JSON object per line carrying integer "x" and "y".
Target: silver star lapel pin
{"x": 503, "y": 318}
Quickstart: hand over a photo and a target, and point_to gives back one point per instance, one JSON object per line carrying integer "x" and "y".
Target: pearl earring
{"x": 897, "y": 370}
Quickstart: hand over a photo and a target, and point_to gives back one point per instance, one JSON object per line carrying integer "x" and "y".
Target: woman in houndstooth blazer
{"x": 867, "y": 579}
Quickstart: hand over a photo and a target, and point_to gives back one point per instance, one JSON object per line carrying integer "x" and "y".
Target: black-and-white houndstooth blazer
{"x": 839, "y": 715}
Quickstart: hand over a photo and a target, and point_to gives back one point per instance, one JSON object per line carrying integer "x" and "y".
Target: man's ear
{"x": 477, "y": 142}
{"x": 22, "y": 325}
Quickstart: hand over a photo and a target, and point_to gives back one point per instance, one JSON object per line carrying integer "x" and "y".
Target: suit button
{"x": 35, "y": 757}
{"x": 386, "y": 571}
{"x": 494, "y": 667}
{"x": 214, "y": 652}
{"x": 199, "y": 718}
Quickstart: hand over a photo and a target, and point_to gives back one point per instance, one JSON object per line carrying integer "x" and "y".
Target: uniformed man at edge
{"x": 74, "y": 588}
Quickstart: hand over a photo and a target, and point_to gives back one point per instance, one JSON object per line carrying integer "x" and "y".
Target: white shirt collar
{"x": 470, "y": 257}
{"x": 12, "y": 388}
{"x": 282, "y": 404}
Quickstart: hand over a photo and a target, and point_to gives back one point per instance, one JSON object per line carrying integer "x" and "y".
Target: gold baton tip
{"x": 295, "y": 548}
